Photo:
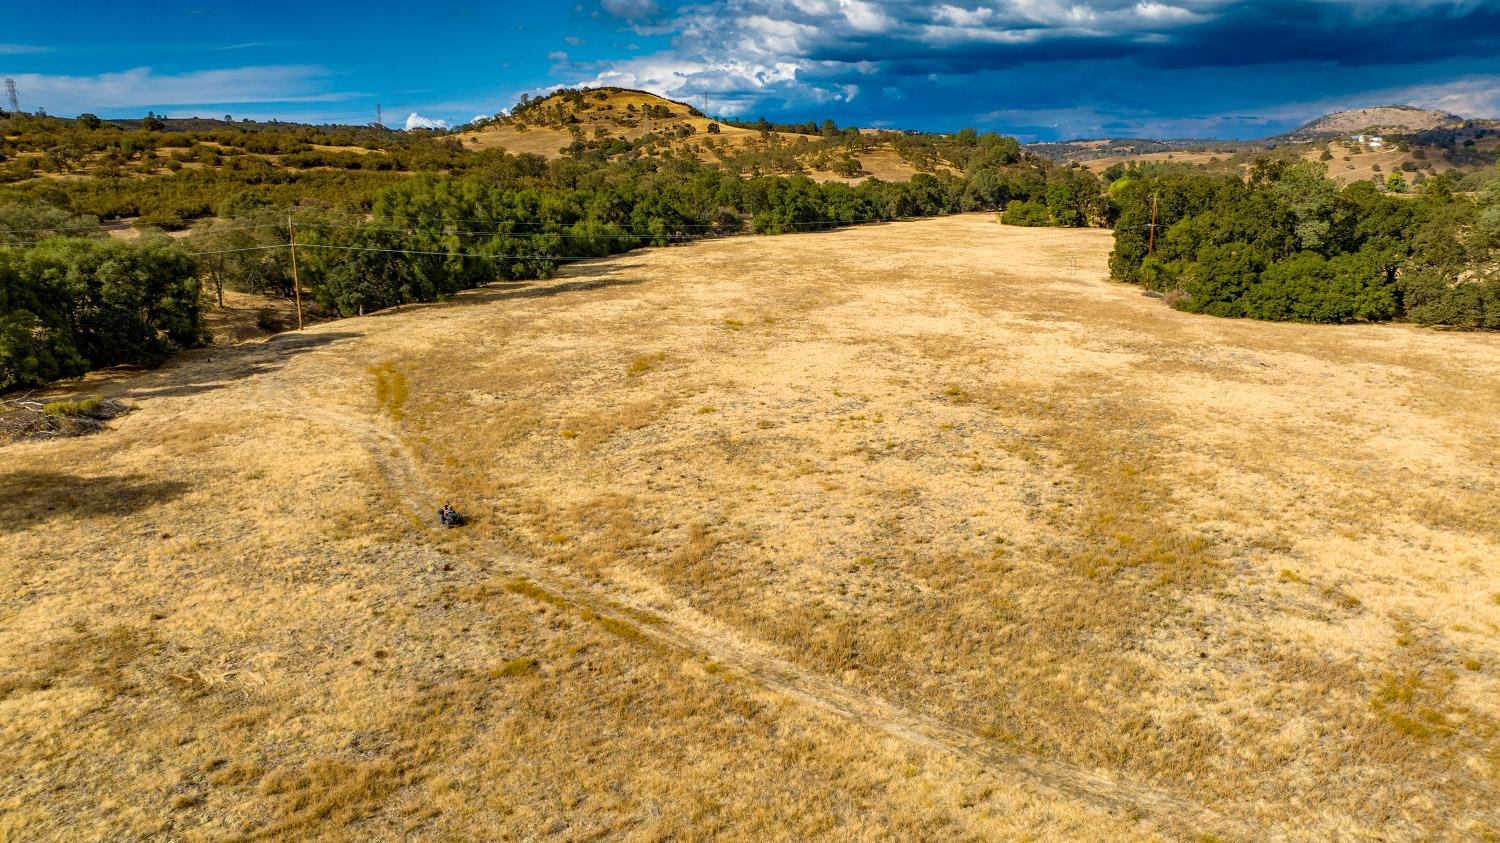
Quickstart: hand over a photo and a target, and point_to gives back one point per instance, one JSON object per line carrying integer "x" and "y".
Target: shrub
{"x": 24, "y": 419}
{"x": 269, "y": 320}
{"x": 86, "y": 407}
{"x": 1028, "y": 213}
{"x": 849, "y": 167}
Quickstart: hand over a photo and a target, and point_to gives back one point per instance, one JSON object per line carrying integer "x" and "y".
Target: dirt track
{"x": 920, "y": 529}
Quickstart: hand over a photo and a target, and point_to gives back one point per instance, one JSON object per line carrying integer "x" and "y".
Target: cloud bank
{"x": 1050, "y": 68}
{"x": 417, "y": 121}
{"x": 141, "y": 87}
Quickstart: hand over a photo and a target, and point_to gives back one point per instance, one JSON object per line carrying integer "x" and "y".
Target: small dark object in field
{"x": 1151, "y": 294}
{"x": 23, "y": 418}
{"x": 449, "y": 516}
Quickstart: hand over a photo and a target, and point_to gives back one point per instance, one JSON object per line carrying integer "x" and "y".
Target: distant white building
{"x": 1372, "y": 141}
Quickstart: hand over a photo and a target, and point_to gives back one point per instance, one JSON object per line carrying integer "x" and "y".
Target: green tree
{"x": 1217, "y": 281}
{"x": 1028, "y": 213}
{"x": 35, "y": 344}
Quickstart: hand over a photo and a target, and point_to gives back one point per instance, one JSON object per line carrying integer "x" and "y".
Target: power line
{"x": 449, "y": 254}
{"x": 695, "y": 226}
{"x": 497, "y": 232}
{"x": 401, "y": 252}
{"x": 103, "y": 227}
{"x": 245, "y": 249}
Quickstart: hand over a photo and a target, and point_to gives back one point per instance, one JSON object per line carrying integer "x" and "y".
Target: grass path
{"x": 923, "y": 530}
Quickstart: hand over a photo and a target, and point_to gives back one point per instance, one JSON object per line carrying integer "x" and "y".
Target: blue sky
{"x": 1036, "y": 68}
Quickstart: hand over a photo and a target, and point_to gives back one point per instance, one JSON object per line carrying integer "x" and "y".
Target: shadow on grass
{"x": 28, "y": 498}
{"x": 207, "y": 369}
{"x": 557, "y": 287}
{"x": 576, "y": 278}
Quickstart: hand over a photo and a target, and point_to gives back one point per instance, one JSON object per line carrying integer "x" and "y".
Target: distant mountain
{"x": 1394, "y": 119}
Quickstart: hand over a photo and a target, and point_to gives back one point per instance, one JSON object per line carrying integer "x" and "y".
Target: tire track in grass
{"x": 687, "y": 630}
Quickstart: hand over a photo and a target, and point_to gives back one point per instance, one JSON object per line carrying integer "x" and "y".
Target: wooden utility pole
{"x": 291, "y": 231}
{"x": 1150, "y": 244}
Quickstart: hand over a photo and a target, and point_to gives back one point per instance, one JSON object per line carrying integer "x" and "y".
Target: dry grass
{"x": 609, "y": 118}
{"x": 904, "y": 531}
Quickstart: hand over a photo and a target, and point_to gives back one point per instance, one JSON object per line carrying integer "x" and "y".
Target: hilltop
{"x": 621, "y": 120}
{"x": 1403, "y": 119}
{"x": 1419, "y": 143}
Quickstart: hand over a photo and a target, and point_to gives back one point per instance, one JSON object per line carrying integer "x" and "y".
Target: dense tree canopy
{"x": 1288, "y": 244}
{"x": 70, "y": 304}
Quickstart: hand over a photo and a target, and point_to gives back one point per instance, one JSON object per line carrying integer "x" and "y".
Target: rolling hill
{"x": 1389, "y": 119}
{"x": 1405, "y": 140}
{"x": 614, "y": 118}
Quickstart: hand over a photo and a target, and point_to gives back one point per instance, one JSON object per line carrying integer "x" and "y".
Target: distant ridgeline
{"x": 384, "y": 218}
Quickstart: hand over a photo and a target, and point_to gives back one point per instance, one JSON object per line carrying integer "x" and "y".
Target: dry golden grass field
{"x": 913, "y": 531}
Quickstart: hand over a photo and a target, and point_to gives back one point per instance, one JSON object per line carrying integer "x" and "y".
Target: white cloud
{"x": 417, "y": 121}
{"x": 632, "y": 9}
{"x": 21, "y": 49}
{"x": 557, "y": 55}
{"x": 141, "y": 88}
{"x": 865, "y": 16}
{"x": 1477, "y": 96}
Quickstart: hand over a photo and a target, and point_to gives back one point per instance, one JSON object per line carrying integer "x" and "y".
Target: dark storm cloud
{"x": 1059, "y": 68}
{"x": 1252, "y": 34}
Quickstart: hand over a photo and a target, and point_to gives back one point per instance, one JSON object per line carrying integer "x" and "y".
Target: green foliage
{"x": 22, "y": 223}
{"x": 269, "y": 321}
{"x": 1074, "y": 198}
{"x": 1307, "y": 287}
{"x": 70, "y": 304}
{"x": 72, "y": 408}
{"x": 1287, "y": 244}
{"x": 848, "y": 167}
{"x": 1030, "y": 212}
{"x": 243, "y": 253}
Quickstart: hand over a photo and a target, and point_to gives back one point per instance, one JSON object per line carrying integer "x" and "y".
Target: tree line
{"x": 1288, "y": 243}
{"x": 71, "y": 299}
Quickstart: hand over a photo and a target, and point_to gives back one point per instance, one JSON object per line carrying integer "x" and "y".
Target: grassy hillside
{"x": 1386, "y": 119}
{"x": 924, "y": 530}
{"x": 1417, "y": 143}
{"x": 611, "y": 117}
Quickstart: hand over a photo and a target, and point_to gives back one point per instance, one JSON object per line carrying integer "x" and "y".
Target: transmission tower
{"x": 379, "y": 117}
{"x": 15, "y": 98}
